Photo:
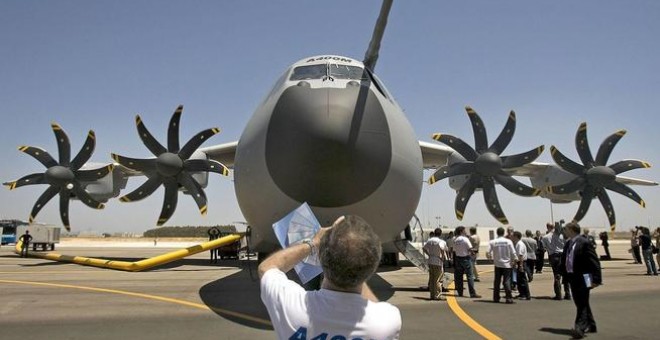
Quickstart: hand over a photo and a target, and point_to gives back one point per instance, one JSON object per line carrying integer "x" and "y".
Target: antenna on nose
{"x": 371, "y": 56}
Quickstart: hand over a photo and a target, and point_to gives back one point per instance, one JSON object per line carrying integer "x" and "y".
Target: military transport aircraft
{"x": 329, "y": 133}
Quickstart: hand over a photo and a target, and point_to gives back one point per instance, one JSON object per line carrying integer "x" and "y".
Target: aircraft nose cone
{"x": 328, "y": 147}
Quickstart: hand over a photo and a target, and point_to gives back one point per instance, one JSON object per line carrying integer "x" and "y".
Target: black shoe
{"x": 477, "y": 280}
{"x": 591, "y": 329}
{"x": 496, "y": 300}
{"x": 509, "y": 302}
{"x": 577, "y": 333}
{"x": 557, "y": 298}
{"x": 475, "y": 296}
{"x": 567, "y": 297}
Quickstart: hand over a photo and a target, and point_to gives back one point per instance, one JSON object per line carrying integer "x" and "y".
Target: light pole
{"x": 438, "y": 218}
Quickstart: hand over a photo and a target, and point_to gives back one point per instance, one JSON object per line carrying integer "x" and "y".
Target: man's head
{"x": 500, "y": 231}
{"x": 509, "y": 231}
{"x": 585, "y": 231}
{"x": 528, "y": 233}
{"x": 572, "y": 229}
{"x": 473, "y": 230}
{"x": 27, "y": 232}
{"x": 431, "y": 234}
{"x": 459, "y": 231}
{"x": 549, "y": 226}
{"x": 516, "y": 236}
{"x": 349, "y": 252}
{"x": 437, "y": 232}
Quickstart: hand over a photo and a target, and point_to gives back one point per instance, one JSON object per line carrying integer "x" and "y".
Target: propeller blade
{"x": 38, "y": 178}
{"x": 464, "y": 194}
{"x": 85, "y": 198}
{"x": 516, "y": 186}
{"x": 582, "y": 146}
{"x": 169, "y": 202}
{"x": 628, "y": 164}
{"x": 587, "y": 196}
{"x": 607, "y": 205}
{"x": 195, "y": 190}
{"x": 492, "y": 203}
{"x": 521, "y": 159}
{"x": 144, "y": 165}
{"x": 63, "y": 144}
{"x": 85, "y": 152}
{"x": 567, "y": 188}
{"x": 565, "y": 163}
{"x": 64, "y": 209}
{"x": 173, "y": 131}
{"x": 152, "y": 144}
{"x": 39, "y": 154}
{"x": 607, "y": 146}
{"x": 505, "y": 136}
{"x": 196, "y": 165}
{"x": 479, "y": 130}
{"x": 457, "y": 144}
{"x": 196, "y": 141}
{"x": 626, "y": 191}
{"x": 144, "y": 190}
{"x": 42, "y": 200}
{"x": 94, "y": 174}
{"x": 452, "y": 170}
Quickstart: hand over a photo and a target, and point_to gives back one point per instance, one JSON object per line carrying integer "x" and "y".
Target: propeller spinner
{"x": 63, "y": 177}
{"x": 594, "y": 176}
{"x": 172, "y": 166}
{"x": 485, "y": 166}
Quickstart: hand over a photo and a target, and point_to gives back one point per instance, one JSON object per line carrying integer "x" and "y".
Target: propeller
{"x": 594, "y": 177}
{"x": 64, "y": 176}
{"x": 485, "y": 166}
{"x": 172, "y": 167}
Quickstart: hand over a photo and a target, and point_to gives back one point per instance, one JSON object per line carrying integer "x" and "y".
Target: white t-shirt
{"x": 502, "y": 251}
{"x": 462, "y": 246}
{"x": 325, "y": 314}
{"x": 435, "y": 248}
{"x": 521, "y": 250}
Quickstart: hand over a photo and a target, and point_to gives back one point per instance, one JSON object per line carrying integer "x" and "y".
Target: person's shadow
{"x": 558, "y": 331}
{"x": 237, "y": 297}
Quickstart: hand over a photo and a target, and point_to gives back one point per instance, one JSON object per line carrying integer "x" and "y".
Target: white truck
{"x": 43, "y": 235}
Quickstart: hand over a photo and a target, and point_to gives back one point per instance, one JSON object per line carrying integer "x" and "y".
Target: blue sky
{"x": 96, "y": 64}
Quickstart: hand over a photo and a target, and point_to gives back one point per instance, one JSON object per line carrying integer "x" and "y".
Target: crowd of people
{"x": 349, "y": 252}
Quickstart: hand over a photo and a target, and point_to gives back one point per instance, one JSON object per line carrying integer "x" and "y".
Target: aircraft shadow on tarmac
{"x": 238, "y": 295}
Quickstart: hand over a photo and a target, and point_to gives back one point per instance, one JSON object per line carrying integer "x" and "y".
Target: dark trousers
{"x": 529, "y": 268}
{"x": 540, "y": 258}
{"x": 637, "y": 254}
{"x": 502, "y": 274}
{"x": 584, "y": 319}
{"x": 463, "y": 265}
{"x": 607, "y": 251}
{"x": 523, "y": 287}
{"x": 555, "y": 261}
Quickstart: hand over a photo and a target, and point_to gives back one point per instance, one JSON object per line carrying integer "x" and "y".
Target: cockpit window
{"x": 346, "y": 72}
{"x": 335, "y": 71}
{"x": 309, "y": 72}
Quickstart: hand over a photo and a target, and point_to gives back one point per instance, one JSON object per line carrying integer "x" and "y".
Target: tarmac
{"x": 193, "y": 299}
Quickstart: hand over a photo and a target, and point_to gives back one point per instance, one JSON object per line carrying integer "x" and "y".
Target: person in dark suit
{"x": 580, "y": 266}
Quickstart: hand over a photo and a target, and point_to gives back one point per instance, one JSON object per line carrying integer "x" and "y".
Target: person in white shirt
{"x": 502, "y": 252}
{"x": 344, "y": 307}
{"x": 553, "y": 242}
{"x": 475, "y": 240}
{"x": 436, "y": 250}
{"x": 463, "y": 263}
{"x": 521, "y": 252}
{"x": 532, "y": 249}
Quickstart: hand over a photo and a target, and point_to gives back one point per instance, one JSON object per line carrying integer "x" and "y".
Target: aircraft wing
{"x": 223, "y": 153}
{"x": 434, "y": 155}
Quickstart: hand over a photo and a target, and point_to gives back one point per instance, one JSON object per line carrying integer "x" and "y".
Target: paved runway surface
{"x": 191, "y": 299}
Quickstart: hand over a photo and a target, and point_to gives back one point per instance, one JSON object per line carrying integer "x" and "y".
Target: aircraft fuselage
{"x": 328, "y": 134}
